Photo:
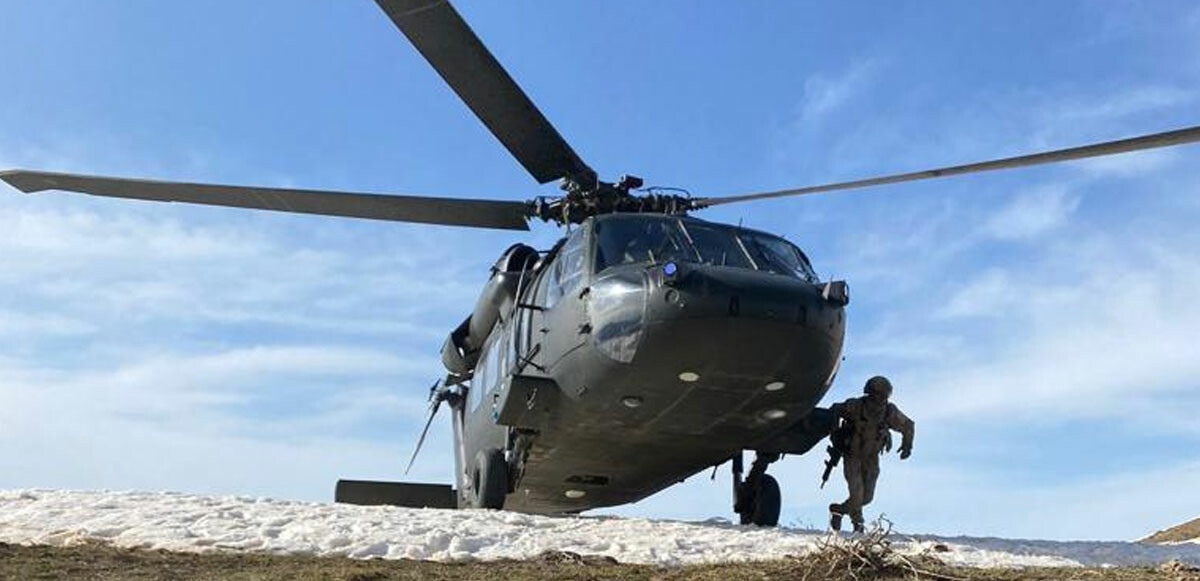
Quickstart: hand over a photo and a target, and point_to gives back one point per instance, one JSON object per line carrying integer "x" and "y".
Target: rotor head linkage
{"x": 584, "y": 201}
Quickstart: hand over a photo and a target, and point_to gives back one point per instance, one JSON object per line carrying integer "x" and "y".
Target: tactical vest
{"x": 870, "y": 435}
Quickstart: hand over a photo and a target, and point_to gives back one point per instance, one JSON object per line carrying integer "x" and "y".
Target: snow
{"x": 185, "y": 522}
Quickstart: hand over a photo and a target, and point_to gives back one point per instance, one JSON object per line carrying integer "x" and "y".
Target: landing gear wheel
{"x": 756, "y": 499}
{"x": 758, "y": 503}
{"x": 764, "y": 509}
{"x": 490, "y": 479}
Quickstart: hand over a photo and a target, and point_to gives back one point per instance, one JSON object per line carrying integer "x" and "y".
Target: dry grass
{"x": 1185, "y": 532}
{"x": 868, "y": 557}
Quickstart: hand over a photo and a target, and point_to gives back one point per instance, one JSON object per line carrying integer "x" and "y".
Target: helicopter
{"x": 645, "y": 346}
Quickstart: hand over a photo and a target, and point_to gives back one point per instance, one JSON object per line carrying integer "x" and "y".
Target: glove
{"x": 905, "y": 453}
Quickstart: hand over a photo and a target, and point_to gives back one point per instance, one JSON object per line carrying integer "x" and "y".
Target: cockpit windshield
{"x": 650, "y": 239}
{"x": 718, "y": 245}
{"x": 638, "y": 239}
{"x": 777, "y": 255}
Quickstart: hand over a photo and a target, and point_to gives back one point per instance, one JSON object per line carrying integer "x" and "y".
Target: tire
{"x": 767, "y": 500}
{"x": 490, "y": 479}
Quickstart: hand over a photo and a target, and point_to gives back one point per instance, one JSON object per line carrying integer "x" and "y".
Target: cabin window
{"x": 566, "y": 273}
{"x": 488, "y": 371}
{"x": 478, "y": 381}
{"x": 543, "y": 284}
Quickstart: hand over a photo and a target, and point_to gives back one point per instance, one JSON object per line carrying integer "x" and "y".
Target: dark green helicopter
{"x": 643, "y": 347}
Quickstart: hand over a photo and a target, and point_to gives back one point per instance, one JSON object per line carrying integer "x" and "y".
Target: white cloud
{"x": 22, "y": 325}
{"x": 1130, "y": 164}
{"x": 1086, "y": 324}
{"x": 1116, "y": 105}
{"x": 182, "y": 387}
{"x": 201, "y": 423}
{"x": 1123, "y": 504}
{"x": 1003, "y": 315}
{"x": 159, "y": 346}
{"x": 825, "y": 94}
{"x": 891, "y": 342}
{"x": 914, "y": 133}
{"x": 1033, "y": 213}
{"x": 988, "y": 294}
{"x": 110, "y": 262}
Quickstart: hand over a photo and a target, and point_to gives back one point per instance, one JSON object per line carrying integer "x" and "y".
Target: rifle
{"x": 835, "y": 456}
{"x": 839, "y": 442}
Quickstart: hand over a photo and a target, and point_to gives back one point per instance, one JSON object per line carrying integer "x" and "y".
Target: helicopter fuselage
{"x": 608, "y": 378}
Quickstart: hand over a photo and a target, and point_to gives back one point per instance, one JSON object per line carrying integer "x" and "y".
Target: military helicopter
{"x": 645, "y": 346}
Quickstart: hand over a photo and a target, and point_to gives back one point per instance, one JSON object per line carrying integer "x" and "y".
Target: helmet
{"x": 878, "y": 385}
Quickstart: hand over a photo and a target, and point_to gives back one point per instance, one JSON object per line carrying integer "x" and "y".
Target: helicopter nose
{"x": 682, "y": 291}
{"x": 749, "y": 323}
{"x": 732, "y": 351}
{"x": 744, "y": 321}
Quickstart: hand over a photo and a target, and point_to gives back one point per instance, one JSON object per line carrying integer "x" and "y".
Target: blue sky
{"x": 1040, "y": 325}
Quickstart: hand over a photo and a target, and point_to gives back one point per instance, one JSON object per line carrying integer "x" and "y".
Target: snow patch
{"x": 184, "y": 522}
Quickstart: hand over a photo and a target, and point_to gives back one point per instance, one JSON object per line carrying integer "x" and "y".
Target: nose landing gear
{"x": 756, "y": 499}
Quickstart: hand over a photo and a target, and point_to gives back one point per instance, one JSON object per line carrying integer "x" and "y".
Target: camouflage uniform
{"x": 870, "y": 418}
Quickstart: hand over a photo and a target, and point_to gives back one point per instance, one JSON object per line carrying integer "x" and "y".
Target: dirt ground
{"x": 99, "y": 562}
{"x": 1184, "y": 532}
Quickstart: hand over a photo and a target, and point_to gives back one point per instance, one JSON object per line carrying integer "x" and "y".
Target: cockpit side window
{"x": 566, "y": 273}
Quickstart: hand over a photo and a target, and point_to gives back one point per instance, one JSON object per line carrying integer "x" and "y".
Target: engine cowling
{"x": 511, "y": 272}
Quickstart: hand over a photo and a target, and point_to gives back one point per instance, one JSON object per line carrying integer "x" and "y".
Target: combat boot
{"x": 835, "y": 517}
{"x": 859, "y": 528}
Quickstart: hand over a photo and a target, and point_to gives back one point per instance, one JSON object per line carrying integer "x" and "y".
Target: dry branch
{"x": 867, "y": 555}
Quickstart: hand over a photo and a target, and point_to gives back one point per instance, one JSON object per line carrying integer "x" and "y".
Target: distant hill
{"x": 1188, "y": 531}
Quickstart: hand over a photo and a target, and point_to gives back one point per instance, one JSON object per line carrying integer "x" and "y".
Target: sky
{"x": 1040, "y": 325}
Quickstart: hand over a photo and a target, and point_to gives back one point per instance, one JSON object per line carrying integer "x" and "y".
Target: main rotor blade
{"x": 445, "y": 40}
{"x": 424, "y": 432}
{"x": 450, "y": 211}
{"x": 1152, "y": 141}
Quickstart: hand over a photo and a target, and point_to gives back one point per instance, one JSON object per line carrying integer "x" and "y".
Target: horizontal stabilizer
{"x": 408, "y": 494}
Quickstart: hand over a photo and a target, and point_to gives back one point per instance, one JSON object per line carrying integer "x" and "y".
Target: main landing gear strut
{"x": 756, "y": 499}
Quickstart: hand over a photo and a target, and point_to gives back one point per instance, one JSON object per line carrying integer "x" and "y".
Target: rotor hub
{"x": 581, "y": 202}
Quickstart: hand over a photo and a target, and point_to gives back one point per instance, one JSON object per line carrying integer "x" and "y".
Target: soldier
{"x": 866, "y": 422}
